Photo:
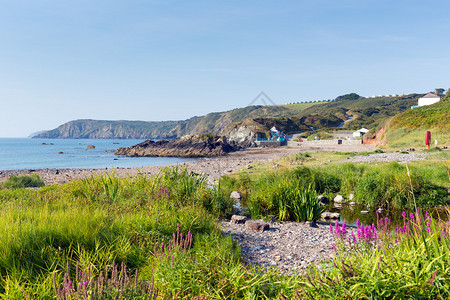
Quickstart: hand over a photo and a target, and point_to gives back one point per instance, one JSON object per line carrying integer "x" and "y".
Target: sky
{"x": 172, "y": 60}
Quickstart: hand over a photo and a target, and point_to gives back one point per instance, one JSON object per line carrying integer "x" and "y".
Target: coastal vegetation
{"x": 385, "y": 185}
{"x": 408, "y": 128}
{"x": 23, "y": 181}
{"x": 158, "y": 237}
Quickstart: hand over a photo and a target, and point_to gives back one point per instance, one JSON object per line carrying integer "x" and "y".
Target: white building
{"x": 275, "y": 131}
{"x": 360, "y": 133}
{"x": 429, "y": 99}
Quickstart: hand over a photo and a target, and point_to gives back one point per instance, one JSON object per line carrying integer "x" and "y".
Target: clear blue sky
{"x": 169, "y": 60}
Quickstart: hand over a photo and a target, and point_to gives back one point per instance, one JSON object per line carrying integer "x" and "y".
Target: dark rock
{"x": 256, "y": 225}
{"x": 311, "y": 224}
{"x": 323, "y": 199}
{"x": 235, "y": 219}
{"x": 200, "y": 145}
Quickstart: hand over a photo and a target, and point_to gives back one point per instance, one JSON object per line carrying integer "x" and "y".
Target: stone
{"x": 256, "y": 225}
{"x": 338, "y": 206}
{"x": 60, "y": 152}
{"x": 235, "y": 219}
{"x": 235, "y": 195}
{"x": 330, "y": 215}
{"x": 90, "y": 147}
{"x": 323, "y": 199}
{"x": 350, "y": 197}
{"x": 338, "y": 199}
{"x": 311, "y": 224}
{"x": 364, "y": 212}
{"x": 352, "y": 203}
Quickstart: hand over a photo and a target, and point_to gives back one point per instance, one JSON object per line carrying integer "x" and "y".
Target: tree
{"x": 439, "y": 91}
{"x": 352, "y": 96}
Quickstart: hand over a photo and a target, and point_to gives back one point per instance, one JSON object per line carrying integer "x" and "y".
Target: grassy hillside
{"x": 367, "y": 112}
{"x": 217, "y": 122}
{"x": 408, "y": 129}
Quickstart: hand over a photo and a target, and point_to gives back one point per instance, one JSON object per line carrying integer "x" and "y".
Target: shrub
{"x": 23, "y": 181}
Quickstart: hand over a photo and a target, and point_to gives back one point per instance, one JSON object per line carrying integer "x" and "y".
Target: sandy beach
{"x": 213, "y": 168}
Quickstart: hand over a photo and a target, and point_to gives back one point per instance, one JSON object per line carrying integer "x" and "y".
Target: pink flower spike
{"x": 404, "y": 214}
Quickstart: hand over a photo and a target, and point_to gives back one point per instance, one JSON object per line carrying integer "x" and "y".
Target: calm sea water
{"x": 25, "y": 153}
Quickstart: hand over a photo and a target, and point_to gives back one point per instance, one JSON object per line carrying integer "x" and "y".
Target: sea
{"x": 27, "y": 153}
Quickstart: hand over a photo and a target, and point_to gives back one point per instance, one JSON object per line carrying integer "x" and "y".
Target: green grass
{"x": 95, "y": 224}
{"x": 408, "y": 129}
{"x": 373, "y": 185}
{"x": 23, "y": 181}
{"x": 299, "y": 106}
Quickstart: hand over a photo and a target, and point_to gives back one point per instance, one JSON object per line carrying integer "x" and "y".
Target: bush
{"x": 23, "y": 181}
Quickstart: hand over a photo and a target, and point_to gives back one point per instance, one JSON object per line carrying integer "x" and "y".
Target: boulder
{"x": 338, "y": 199}
{"x": 329, "y": 215}
{"x": 338, "y": 206}
{"x": 256, "y": 225}
{"x": 90, "y": 147}
{"x": 235, "y": 219}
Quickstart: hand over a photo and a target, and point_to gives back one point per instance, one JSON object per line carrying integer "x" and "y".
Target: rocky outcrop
{"x": 242, "y": 135}
{"x": 202, "y": 145}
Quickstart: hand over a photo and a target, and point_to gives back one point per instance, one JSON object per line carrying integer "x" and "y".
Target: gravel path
{"x": 288, "y": 246}
{"x": 386, "y": 157}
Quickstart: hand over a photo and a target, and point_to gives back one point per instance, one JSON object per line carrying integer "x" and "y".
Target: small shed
{"x": 360, "y": 132}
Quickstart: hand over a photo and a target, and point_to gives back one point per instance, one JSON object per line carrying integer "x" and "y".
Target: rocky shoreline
{"x": 212, "y": 167}
{"x": 201, "y": 145}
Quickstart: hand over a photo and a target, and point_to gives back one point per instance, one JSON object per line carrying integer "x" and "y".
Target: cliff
{"x": 98, "y": 129}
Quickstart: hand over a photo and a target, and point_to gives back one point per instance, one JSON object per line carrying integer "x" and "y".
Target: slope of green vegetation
{"x": 367, "y": 112}
{"x": 298, "y": 107}
{"x": 408, "y": 129}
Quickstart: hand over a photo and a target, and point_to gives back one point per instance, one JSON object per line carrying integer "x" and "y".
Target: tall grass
{"x": 291, "y": 195}
{"x": 23, "y": 181}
